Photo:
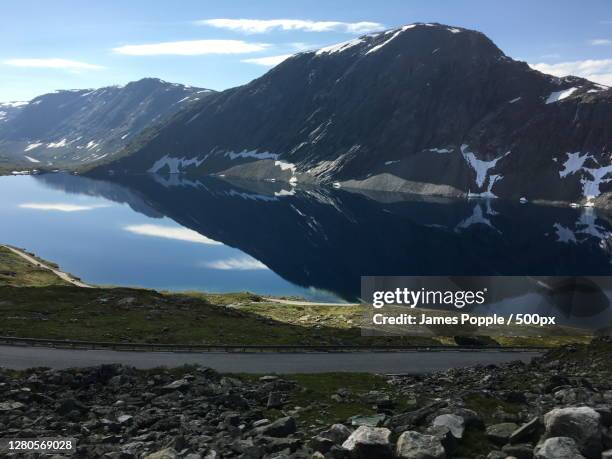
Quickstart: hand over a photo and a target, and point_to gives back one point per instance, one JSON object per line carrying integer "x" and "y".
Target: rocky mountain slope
{"x": 68, "y": 128}
{"x": 425, "y": 108}
{"x": 557, "y": 406}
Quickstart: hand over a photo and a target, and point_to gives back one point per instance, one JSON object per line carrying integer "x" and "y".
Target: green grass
{"x": 35, "y": 303}
{"x": 17, "y": 272}
{"x": 313, "y": 395}
{"x": 146, "y": 316}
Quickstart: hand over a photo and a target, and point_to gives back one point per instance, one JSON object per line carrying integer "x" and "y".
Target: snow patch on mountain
{"x": 573, "y": 163}
{"x": 590, "y": 186}
{"x": 60, "y": 144}
{"x": 479, "y": 166}
{"x": 440, "y": 150}
{"x": 560, "y": 95}
{"x": 339, "y": 47}
{"x": 32, "y": 146}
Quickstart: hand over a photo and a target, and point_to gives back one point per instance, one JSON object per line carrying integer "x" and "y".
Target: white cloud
{"x": 169, "y": 232}
{"x": 239, "y": 264}
{"x": 267, "y": 25}
{"x": 53, "y": 63}
{"x": 192, "y": 48}
{"x": 60, "y": 207}
{"x": 597, "y": 70}
{"x": 600, "y": 42}
{"x": 268, "y": 61}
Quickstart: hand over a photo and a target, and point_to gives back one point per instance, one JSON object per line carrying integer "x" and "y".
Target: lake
{"x": 216, "y": 235}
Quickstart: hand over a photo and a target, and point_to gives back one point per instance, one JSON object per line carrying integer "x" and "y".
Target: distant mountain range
{"x": 425, "y": 108}
{"x": 68, "y": 128}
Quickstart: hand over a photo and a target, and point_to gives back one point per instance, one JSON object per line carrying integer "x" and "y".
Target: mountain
{"x": 425, "y": 108}
{"x": 65, "y": 128}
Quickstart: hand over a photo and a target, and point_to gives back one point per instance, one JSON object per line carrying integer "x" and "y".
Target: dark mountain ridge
{"x": 425, "y": 108}
{"x": 71, "y": 127}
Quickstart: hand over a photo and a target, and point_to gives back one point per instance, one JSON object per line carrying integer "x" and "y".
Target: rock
{"x": 519, "y": 451}
{"x": 443, "y": 433}
{"x": 500, "y": 433}
{"x": 11, "y": 406}
{"x": 414, "y": 445}
{"x": 261, "y": 422}
{"x": 374, "y": 420}
{"x": 527, "y": 431}
{"x": 337, "y": 433}
{"x": 275, "y": 400}
{"x": 320, "y": 443}
{"x": 607, "y": 454}
{"x": 558, "y": 448}
{"x": 497, "y": 455}
{"x": 605, "y": 412}
{"x": 180, "y": 384}
{"x": 454, "y": 423}
{"x": 368, "y": 443}
{"x": 70, "y": 405}
{"x": 280, "y": 428}
{"x": 582, "y": 424}
{"x": 168, "y": 453}
{"x": 124, "y": 419}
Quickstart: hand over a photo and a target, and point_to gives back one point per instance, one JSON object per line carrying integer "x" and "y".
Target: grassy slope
{"x": 37, "y": 304}
{"x": 17, "y": 272}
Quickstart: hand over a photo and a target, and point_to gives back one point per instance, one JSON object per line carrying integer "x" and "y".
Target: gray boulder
{"x": 520, "y": 451}
{"x": 582, "y": 424}
{"x": 500, "y": 433}
{"x": 338, "y": 433}
{"x": 373, "y": 420}
{"x": 167, "y": 453}
{"x": 454, "y": 423}
{"x": 558, "y": 448}
{"x": 527, "y": 431}
{"x": 368, "y": 443}
{"x": 414, "y": 445}
{"x": 280, "y": 428}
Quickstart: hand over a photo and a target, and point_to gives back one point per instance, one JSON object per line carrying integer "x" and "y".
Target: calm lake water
{"x": 216, "y": 235}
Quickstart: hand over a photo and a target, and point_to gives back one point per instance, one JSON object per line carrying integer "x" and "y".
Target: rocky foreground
{"x": 559, "y": 406}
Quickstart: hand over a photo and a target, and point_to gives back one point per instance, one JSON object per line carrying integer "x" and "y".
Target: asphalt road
{"x": 17, "y": 357}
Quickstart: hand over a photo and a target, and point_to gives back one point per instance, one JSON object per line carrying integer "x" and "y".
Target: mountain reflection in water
{"x": 329, "y": 238}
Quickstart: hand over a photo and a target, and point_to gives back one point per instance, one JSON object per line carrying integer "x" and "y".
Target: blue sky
{"x": 74, "y": 44}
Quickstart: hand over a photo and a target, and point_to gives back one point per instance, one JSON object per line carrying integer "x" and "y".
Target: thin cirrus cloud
{"x": 268, "y": 61}
{"x": 268, "y": 25}
{"x": 192, "y": 48}
{"x": 170, "y": 232}
{"x": 237, "y": 264}
{"x": 60, "y": 207}
{"x": 600, "y": 42}
{"x": 597, "y": 70}
{"x": 53, "y": 63}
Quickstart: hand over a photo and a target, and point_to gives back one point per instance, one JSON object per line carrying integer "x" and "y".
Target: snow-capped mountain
{"x": 424, "y": 108}
{"x": 67, "y": 128}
